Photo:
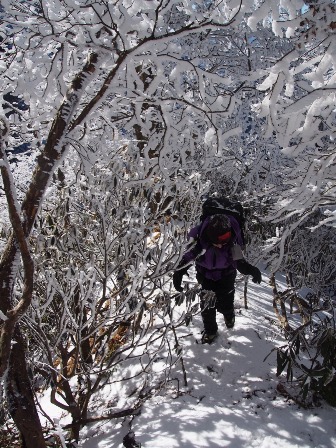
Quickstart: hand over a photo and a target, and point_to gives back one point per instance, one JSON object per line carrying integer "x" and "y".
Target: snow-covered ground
{"x": 231, "y": 398}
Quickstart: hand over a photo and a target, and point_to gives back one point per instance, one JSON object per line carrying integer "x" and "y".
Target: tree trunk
{"x": 20, "y": 397}
{"x": 18, "y": 389}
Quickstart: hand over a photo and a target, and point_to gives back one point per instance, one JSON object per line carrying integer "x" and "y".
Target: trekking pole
{"x": 245, "y": 292}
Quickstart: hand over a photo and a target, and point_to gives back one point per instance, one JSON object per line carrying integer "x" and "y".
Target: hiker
{"x": 217, "y": 255}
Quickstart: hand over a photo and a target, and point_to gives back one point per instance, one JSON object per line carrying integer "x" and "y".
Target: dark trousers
{"x": 224, "y": 290}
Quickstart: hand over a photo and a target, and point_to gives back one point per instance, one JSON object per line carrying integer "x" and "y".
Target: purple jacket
{"x": 211, "y": 261}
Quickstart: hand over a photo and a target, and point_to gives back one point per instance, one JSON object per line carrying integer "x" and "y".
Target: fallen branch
{"x": 119, "y": 414}
{"x": 284, "y": 392}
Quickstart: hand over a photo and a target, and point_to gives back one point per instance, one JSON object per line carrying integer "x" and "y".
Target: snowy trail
{"x": 233, "y": 400}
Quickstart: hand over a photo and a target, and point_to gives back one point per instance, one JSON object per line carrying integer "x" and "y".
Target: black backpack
{"x": 225, "y": 206}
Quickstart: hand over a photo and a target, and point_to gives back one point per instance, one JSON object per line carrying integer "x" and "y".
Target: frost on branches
{"x": 299, "y": 108}
{"x": 131, "y": 111}
{"x": 81, "y": 75}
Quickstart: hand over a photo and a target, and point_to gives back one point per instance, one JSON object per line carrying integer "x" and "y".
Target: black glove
{"x": 246, "y": 268}
{"x": 177, "y": 280}
{"x": 256, "y": 275}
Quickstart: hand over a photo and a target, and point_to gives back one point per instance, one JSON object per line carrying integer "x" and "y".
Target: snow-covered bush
{"x": 79, "y": 75}
{"x": 102, "y": 310}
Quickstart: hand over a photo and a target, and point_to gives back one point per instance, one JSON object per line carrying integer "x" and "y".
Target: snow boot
{"x": 229, "y": 320}
{"x": 208, "y": 338}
